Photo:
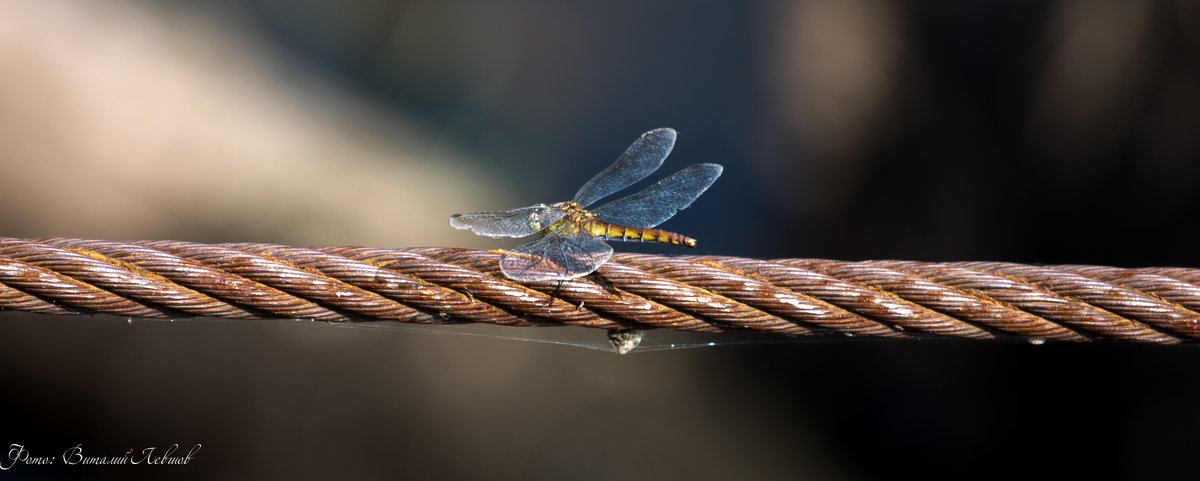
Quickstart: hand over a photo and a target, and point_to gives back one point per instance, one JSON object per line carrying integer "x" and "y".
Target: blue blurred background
{"x": 1042, "y": 132}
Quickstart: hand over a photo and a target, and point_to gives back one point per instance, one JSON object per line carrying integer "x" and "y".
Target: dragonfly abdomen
{"x": 623, "y": 232}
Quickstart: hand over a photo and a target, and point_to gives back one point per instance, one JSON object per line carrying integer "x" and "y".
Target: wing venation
{"x": 522, "y": 222}
{"x": 562, "y": 254}
{"x": 641, "y": 159}
{"x": 657, "y": 203}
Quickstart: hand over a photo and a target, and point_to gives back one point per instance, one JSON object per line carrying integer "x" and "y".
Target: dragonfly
{"x": 572, "y": 235}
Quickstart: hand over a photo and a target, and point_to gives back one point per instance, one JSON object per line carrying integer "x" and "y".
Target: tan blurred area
{"x": 834, "y": 68}
{"x": 127, "y": 120}
{"x": 1093, "y": 86}
{"x": 848, "y": 77}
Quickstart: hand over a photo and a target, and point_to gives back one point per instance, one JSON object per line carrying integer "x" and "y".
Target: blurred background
{"x": 1041, "y": 132}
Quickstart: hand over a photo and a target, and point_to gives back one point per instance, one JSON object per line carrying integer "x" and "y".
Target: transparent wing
{"x": 563, "y": 254}
{"x": 522, "y": 222}
{"x": 659, "y": 202}
{"x": 639, "y": 160}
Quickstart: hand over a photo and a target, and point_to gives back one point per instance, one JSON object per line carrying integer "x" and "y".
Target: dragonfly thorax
{"x": 575, "y": 214}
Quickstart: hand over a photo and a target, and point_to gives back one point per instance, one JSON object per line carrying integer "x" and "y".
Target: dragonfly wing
{"x": 522, "y": 222}
{"x": 560, "y": 255}
{"x": 659, "y": 202}
{"x": 641, "y": 159}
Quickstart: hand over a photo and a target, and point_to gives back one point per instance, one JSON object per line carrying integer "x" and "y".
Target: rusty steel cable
{"x": 437, "y": 285}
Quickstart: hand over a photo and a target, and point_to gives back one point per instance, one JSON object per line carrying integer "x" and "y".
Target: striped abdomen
{"x": 600, "y": 228}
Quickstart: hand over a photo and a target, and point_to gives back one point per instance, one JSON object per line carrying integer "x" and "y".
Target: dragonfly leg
{"x": 557, "y": 287}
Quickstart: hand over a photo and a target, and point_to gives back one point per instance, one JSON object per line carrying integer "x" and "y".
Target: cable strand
{"x": 439, "y": 285}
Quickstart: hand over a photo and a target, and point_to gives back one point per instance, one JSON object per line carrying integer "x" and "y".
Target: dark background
{"x": 1040, "y": 132}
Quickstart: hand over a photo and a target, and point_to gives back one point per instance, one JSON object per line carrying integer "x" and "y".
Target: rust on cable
{"x": 628, "y": 294}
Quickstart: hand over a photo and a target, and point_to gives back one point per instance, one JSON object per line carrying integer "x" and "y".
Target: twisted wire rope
{"x": 437, "y": 285}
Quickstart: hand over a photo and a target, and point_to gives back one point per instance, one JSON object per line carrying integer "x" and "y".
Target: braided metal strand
{"x": 797, "y": 297}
